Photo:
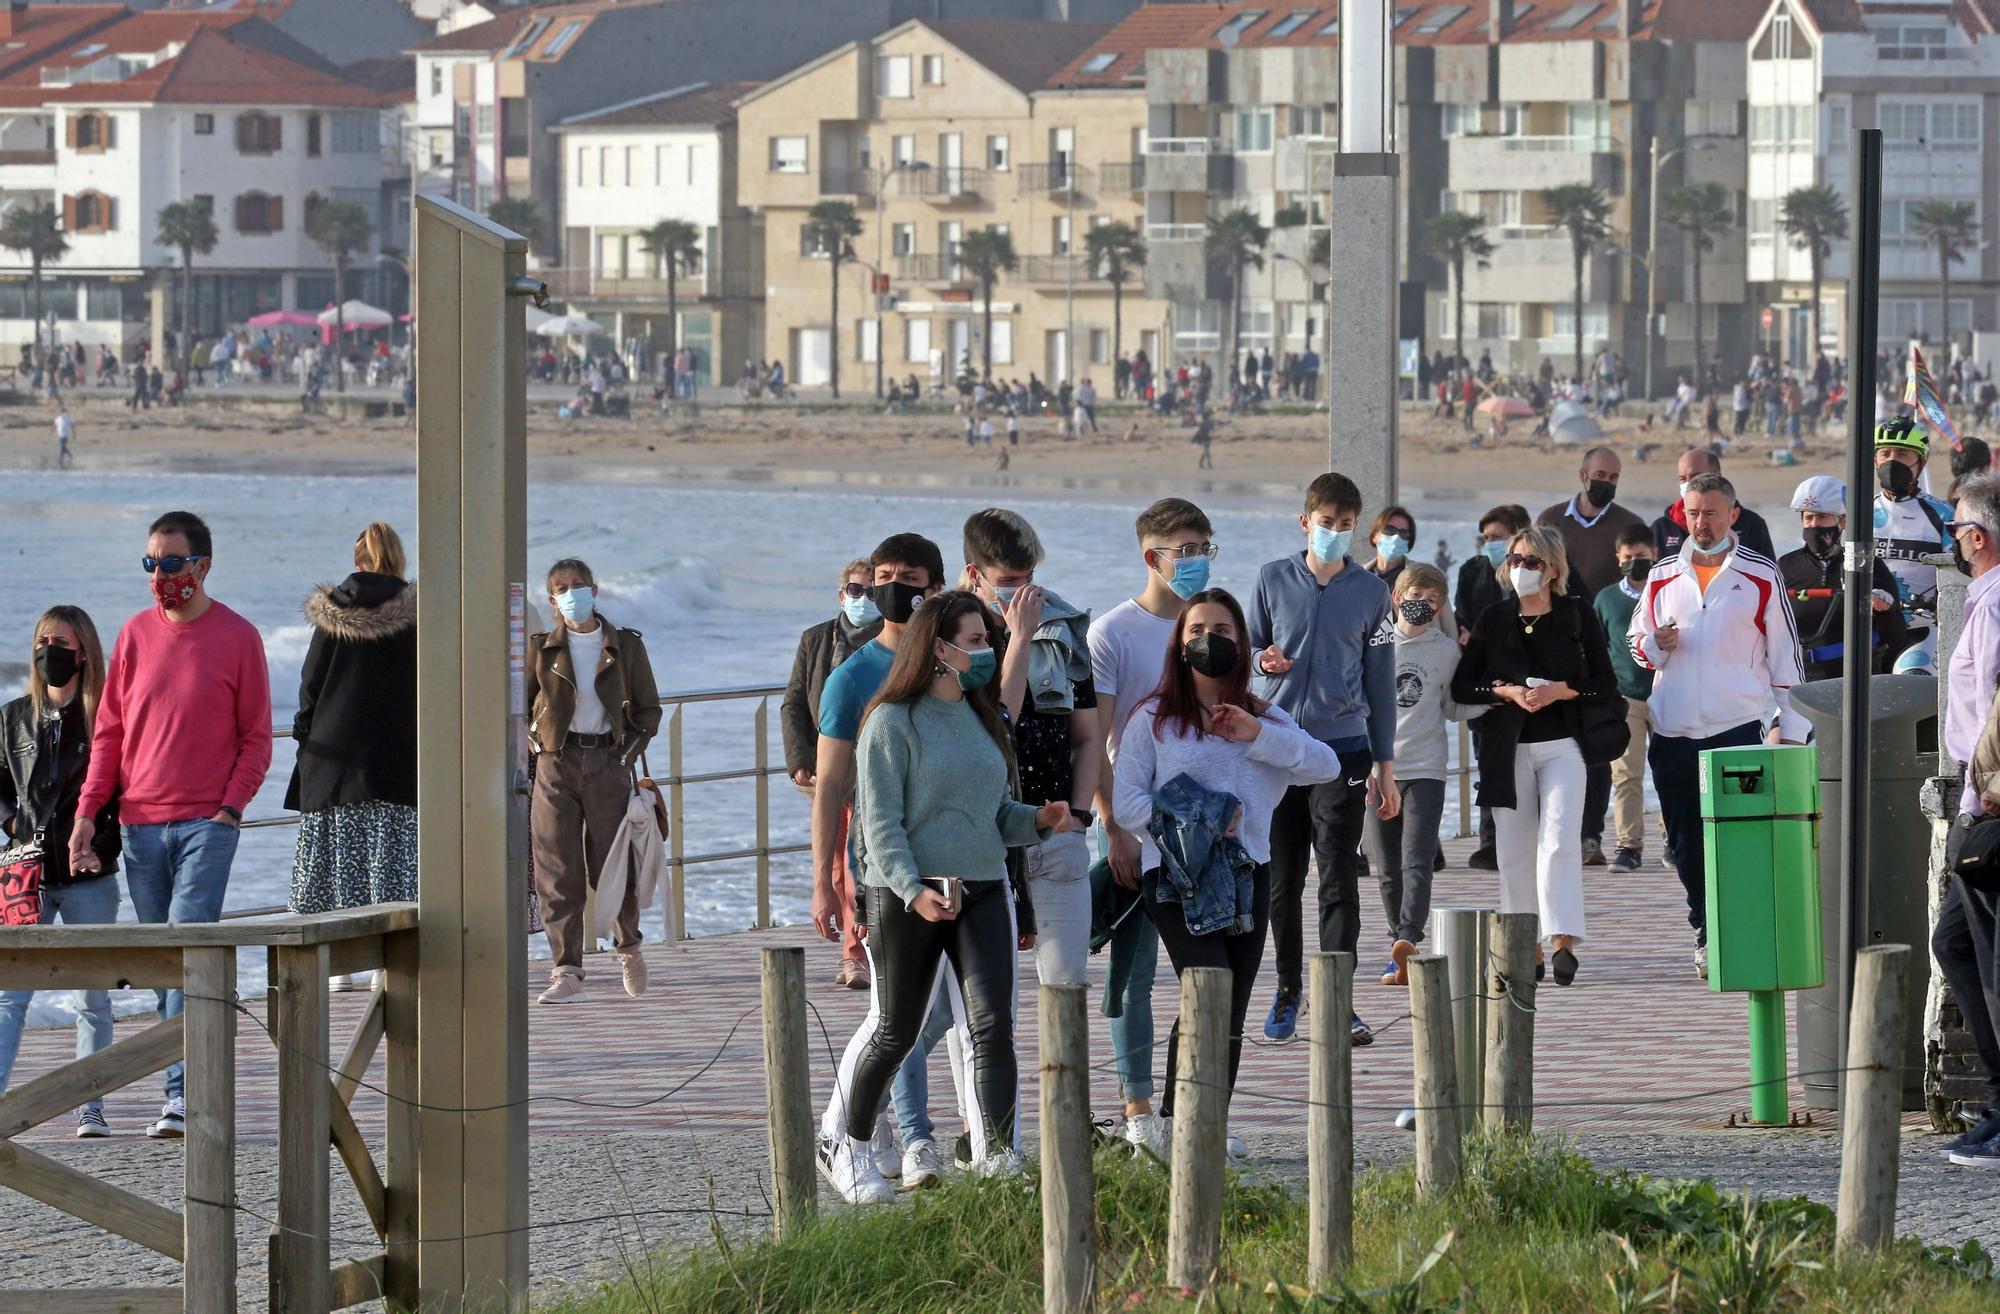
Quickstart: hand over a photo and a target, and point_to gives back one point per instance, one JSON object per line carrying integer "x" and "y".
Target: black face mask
{"x": 1601, "y": 492}
{"x": 1823, "y": 539}
{"x": 1213, "y": 655}
{"x": 1638, "y": 568}
{"x": 896, "y": 601}
{"x": 1897, "y": 480}
{"x": 1418, "y": 611}
{"x": 1959, "y": 559}
{"x": 57, "y": 666}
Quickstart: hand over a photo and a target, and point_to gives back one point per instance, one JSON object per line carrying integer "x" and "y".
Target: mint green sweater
{"x": 930, "y": 798}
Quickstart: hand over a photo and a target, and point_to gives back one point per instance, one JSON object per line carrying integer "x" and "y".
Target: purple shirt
{"x": 1973, "y": 673}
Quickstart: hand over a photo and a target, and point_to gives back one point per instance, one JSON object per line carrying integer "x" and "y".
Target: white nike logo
{"x": 1352, "y": 783}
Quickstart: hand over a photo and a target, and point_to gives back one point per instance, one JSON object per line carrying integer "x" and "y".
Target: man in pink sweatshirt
{"x": 183, "y": 740}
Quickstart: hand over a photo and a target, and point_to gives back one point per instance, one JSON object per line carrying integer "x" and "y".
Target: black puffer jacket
{"x": 357, "y": 720}
{"x": 46, "y": 764}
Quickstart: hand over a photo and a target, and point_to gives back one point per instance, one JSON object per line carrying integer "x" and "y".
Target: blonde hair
{"x": 90, "y": 648}
{"x": 1419, "y": 575}
{"x": 858, "y": 566}
{"x": 1540, "y": 541}
{"x": 380, "y": 549}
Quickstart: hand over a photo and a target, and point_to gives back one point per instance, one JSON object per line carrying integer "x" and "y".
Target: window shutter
{"x": 277, "y": 214}
{"x": 241, "y": 227}
{"x": 110, "y": 134}
{"x": 69, "y": 204}
{"x": 277, "y": 142}
{"x": 110, "y": 204}
{"x": 69, "y": 132}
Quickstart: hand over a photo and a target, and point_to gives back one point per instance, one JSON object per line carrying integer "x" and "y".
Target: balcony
{"x": 1054, "y": 179}
{"x": 580, "y": 283}
{"x": 1122, "y": 176}
{"x": 1527, "y": 164}
{"x": 1536, "y": 264}
{"x": 847, "y": 182}
{"x": 929, "y": 269}
{"x": 27, "y": 157}
{"x": 1188, "y": 164}
{"x": 1176, "y": 232}
{"x": 946, "y": 185}
{"x": 1058, "y": 269}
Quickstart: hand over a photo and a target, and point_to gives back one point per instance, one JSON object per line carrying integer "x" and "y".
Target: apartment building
{"x": 1927, "y": 75}
{"x": 110, "y": 116}
{"x": 933, "y": 130}
{"x": 627, "y": 167}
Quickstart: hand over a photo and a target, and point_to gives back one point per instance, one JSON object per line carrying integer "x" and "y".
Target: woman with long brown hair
{"x": 1204, "y": 729}
{"x": 46, "y": 736}
{"x": 934, "y": 816}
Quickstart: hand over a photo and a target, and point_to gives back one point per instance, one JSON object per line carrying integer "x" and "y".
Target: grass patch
{"x": 1534, "y": 1227}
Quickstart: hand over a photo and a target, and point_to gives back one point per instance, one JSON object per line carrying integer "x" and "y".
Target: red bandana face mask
{"x": 175, "y": 591}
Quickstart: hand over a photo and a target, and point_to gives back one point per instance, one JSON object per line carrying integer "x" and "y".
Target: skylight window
{"x": 1573, "y": 15}
{"x": 563, "y": 38}
{"x": 1331, "y": 29}
{"x": 527, "y": 37}
{"x": 1238, "y": 25}
{"x": 92, "y": 50}
{"x": 1290, "y": 23}
{"x": 1403, "y": 15}
{"x": 1441, "y": 19}
{"x": 1098, "y": 63}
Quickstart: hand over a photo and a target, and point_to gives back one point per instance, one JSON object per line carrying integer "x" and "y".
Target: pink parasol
{"x": 284, "y": 319}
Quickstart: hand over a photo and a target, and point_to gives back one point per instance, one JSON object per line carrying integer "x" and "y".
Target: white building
{"x": 166, "y": 107}
{"x": 1926, "y": 72}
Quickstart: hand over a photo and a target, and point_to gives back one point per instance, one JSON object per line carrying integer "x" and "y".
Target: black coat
{"x": 821, "y": 648}
{"x": 1497, "y": 653}
{"x": 1822, "y": 621}
{"x": 357, "y": 721}
{"x": 46, "y": 764}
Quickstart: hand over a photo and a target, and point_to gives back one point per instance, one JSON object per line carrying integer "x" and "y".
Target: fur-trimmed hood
{"x": 364, "y": 607}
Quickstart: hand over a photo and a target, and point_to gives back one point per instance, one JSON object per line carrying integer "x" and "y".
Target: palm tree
{"x": 1115, "y": 250}
{"x": 1453, "y": 237}
{"x": 1950, "y": 227}
{"x": 190, "y": 227}
{"x": 1585, "y": 211}
{"x": 832, "y": 226}
{"x": 519, "y": 214}
{"x": 1234, "y": 240}
{"x": 1700, "y": 210}
{"x": 340, "y": 228}
{"x": 985, "y": 255}
{"x": 36, "y": 230}
{"x": 1814, "y": 218}
{"x": 674, "y": 243}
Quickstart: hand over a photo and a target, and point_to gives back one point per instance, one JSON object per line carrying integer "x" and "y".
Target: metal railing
{"x": 676, "y": 780}
{"x": 1580, "y": 142}
{"x": 941, "y": 182}
{"x": 1123, "y": 175}
{"x": 1175, "y": 232}
{"x": 847, "y": 182}
{"x": 929, "y": 268}
{"x": 1056, "y": 177}
{"x": 1182, "y": 146}
{"x": 1053, "y": 269}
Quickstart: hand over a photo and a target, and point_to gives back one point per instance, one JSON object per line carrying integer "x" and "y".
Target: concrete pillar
{"x": 1363, "y": 221}
{"x": 157, "y": 301}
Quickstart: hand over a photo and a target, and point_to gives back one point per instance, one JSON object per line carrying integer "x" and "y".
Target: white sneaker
{"x": 565, "y": 987}
{"x": 920, "y": 1166}
{"x": 172, "y": 1125}
{"x": 884, "y": 1148}
{"x": 90, "y": 1123}
{"x": 1235, "y": 1146}
{"x": 849, "y": 1167}
{"x": 1005, "y": 1163}
{"x": 1406, "y": 1120}
{"x": 1150, "y": 1132}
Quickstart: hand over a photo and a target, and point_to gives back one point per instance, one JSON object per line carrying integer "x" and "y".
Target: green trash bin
{"x": 1760, "y": 836}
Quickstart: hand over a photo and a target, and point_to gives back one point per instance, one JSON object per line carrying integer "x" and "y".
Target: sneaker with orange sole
{"x": 1400, "y": 954}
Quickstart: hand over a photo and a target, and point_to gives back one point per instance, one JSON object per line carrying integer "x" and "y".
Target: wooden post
{"x": 1069, "y": 1201}
{"x": 1461, "y": 938}
{"x": 472, "y": 844}
{"x": 300, "y": 1249}
{"x": 1436, "y": 1062}
{"x": 209, "y": 1281}
{"x": 1510, "y": 1023}
{"x": 1330, "y": 1120}
{"x": 1201, "y": 1122}
{"x": 1871, "y": 1112}
{"x": 399, "y": 1149}
{"x": 787, "y": 1092}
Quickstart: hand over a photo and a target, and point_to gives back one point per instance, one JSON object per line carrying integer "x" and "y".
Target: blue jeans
{"x": 91, "y": 902}
{"x": 178, "y": 871}
{"x": 910, "y": 1091}
{"x": 1132, "y": 1030}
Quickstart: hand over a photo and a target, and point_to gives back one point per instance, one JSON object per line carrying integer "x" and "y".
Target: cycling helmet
{"x": 1902, "y": 431}
{"x": 1916, "y": 661}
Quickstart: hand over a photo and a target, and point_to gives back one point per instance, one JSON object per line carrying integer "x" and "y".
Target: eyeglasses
{"x": 853, "y": 590}
{"x": 1187, "y": 550}
{"x": 1952, "y": 527}
{"x": 1532, "y": 563}
{"x": 172, "y": 565}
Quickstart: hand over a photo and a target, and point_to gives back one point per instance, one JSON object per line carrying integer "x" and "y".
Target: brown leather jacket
{"x": 624, "y": 685}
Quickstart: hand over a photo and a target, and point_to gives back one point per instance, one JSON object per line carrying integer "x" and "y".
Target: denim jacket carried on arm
{"x": 1201, "y": 867}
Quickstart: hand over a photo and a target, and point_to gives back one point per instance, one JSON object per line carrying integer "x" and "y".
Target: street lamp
{"x": 1653, "y": 246}
{"x": 1307, "y": 270}
{"x": 880, "y": 177}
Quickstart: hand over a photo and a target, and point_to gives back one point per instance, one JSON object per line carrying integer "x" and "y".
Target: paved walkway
{"x": 1638, "y": 1060}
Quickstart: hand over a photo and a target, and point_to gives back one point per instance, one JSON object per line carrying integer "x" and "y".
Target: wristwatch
{"x": 238, "y": 816}
{"x": 1084, "y": 816}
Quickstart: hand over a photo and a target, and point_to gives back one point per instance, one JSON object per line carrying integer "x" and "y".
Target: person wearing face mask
{"x": 1204, "y": 728}
{"x": 1591, "y": 522}
{"x": 1534, "y": 660}
{"x": 182, "y": 739}
{"x": 1393, "y": 532}
{"x": 1813, "y": 578}
{"x": 1714, "y": 626}
{"x": 1326, "y": 654}
{"x": 934, "y": 818}
{"x": 46, "y": 736}
{"x": 1670, "y": 530}
{"x": 1614, "y": 605}
{"x": 592, "y": 709}
{"x": 822, "y": 648}
{"x": 1403, "y": 848}
{"x": 1479, "y": 588}
{"x": 1909, "y": 525}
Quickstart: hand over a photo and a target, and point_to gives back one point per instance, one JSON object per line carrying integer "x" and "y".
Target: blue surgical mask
{"x": 984, "y": 662}
{"x": 1392, "y": 547}
{"x": 1495, "y": 552}
{"x": 1330, "y": 545}
{"x": 577, "y": 604}
{"x": 1190, "y": 576}
{"x": 861, "y": 610}
{"x": 1005, "y": 593}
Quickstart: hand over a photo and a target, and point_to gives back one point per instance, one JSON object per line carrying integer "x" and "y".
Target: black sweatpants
{"x": 1319, "y": 824}
{"x": 1596, "y": 799}
{"x": 1676, "y": 764}
{"x": 1241, "y": 954}
{"x": 903, "y": 949}
{"x": 1967, "y": 945}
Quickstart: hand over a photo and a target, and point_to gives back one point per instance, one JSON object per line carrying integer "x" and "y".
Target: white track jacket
{"x": 1739, "y": 649}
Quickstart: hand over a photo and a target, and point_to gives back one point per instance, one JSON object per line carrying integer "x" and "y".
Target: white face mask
{"x": 1525, "y": 581}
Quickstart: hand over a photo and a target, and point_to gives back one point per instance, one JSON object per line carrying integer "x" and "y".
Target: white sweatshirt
{"x": 1739, "y": 647}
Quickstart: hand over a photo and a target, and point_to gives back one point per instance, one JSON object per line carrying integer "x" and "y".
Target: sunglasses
{"x": 172, "y": 565}
{"x": 855, "y": 590}
{"x": 1952, "y": 527}
{"x": 1532, "y": 563}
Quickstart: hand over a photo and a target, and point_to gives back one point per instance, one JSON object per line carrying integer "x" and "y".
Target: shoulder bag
{"x": 1602, "y": 734}
{"x": 21, "y": 883}
{"x": 1978, "y": 863}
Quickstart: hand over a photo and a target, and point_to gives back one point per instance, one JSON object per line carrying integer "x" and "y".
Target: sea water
{"x": 721, "y": 580}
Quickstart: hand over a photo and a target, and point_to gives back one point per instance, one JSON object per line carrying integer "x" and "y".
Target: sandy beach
{"x": 853, "y": 446}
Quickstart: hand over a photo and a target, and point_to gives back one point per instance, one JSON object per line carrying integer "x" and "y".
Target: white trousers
{"x": 1538, "y": 839}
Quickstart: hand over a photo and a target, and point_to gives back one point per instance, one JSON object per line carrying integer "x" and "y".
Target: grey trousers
{"x": 1401, "y": 851}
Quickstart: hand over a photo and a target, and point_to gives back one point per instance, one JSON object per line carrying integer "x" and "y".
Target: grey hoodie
{"x": 1342, "y": 683}
{"x": 1425, "y": 663}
